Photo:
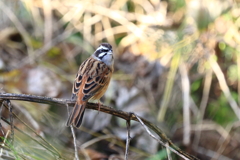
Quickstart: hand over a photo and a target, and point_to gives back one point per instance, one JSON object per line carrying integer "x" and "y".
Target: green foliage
{"x": 233, "y": 72}
{"x": 11, "y": 148}
{"x": 196, "y": 85}
{"x": 54, "y": 51}
{"x": 195, "y": 90}
{"x": 161, "y": 155}
{"x": 177, "y": 4}
{"x": 36, "y": 44}
{"x": 75, "y": 38}
{"x": 130, "y": 6}
{"x": 222, "y": 46}
{"x": 220, "y": 111}
{"x": 203, "y": 19}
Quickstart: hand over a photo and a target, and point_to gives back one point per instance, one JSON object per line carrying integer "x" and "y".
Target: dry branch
{"x": 124, "y": 115}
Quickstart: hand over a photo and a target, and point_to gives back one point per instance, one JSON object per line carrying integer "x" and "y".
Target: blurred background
{"x": 177, "y": 64}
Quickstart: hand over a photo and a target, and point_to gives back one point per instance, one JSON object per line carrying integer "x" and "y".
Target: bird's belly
{"x": 100, "y": 93}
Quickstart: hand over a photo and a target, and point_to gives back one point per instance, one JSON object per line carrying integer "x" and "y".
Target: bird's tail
{"x": 76, "y": 116}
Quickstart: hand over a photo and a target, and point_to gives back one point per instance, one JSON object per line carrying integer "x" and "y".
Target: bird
{"x": 91, "y": 81}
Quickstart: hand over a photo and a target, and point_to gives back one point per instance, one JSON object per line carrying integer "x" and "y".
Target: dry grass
{"x": 196, "y": 42}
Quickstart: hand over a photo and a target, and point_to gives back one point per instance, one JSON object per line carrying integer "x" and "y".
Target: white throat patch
{"x": 100, "y": 55}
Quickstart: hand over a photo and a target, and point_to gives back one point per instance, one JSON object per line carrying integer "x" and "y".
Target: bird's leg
{"x": 99, "y": 105}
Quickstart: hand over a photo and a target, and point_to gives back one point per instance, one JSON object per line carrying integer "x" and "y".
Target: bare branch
{"x": 74, "y": 138}
{"x": 128, "y": 122}
{"x": 124, "y": 115}
{"x": 167, "y": 144}
{"x": 11, "y": 121}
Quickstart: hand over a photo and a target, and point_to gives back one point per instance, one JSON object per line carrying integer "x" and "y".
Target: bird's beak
{"x": 110, "y": 52}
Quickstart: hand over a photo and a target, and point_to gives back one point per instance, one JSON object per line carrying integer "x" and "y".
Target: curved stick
{"x": 124, "y": 115}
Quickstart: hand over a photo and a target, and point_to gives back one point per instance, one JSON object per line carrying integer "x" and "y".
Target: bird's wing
{"x": 92, "y": 76}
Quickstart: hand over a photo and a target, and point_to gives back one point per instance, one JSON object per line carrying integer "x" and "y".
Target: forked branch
{"x": 163, "y": 140}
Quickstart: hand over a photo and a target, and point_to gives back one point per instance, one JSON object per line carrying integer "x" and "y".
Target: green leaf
{"x": 161, "y": 155}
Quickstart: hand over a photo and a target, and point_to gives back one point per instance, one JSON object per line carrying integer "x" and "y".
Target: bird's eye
{"x": 104, "y": 50}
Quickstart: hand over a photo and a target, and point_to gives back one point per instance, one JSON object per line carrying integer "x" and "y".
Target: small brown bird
{"x": 91, "y": 82}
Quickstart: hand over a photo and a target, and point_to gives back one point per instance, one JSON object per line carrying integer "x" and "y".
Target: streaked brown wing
{"x": 78, "y": 80}
{"x": 93, "y": 75}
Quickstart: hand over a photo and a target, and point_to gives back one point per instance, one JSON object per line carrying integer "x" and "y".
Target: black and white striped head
{"x": 104, "y": 53}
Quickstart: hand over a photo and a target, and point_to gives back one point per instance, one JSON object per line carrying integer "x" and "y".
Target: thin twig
{"x": 33, "y": 98}
{"x": 91, "y": 142}
{"x": 3, "y": 144}
{"x": 11, "y": 122}
{"x": 75, "y": 142}
{"x": 161, "y": 142}
{"x": 95, "y": 140}
{"x": 128, "y": 123}
{"x": 168, "y": 152}
{"x": 74, "y": 137}
{"x": 1, "y": 128}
